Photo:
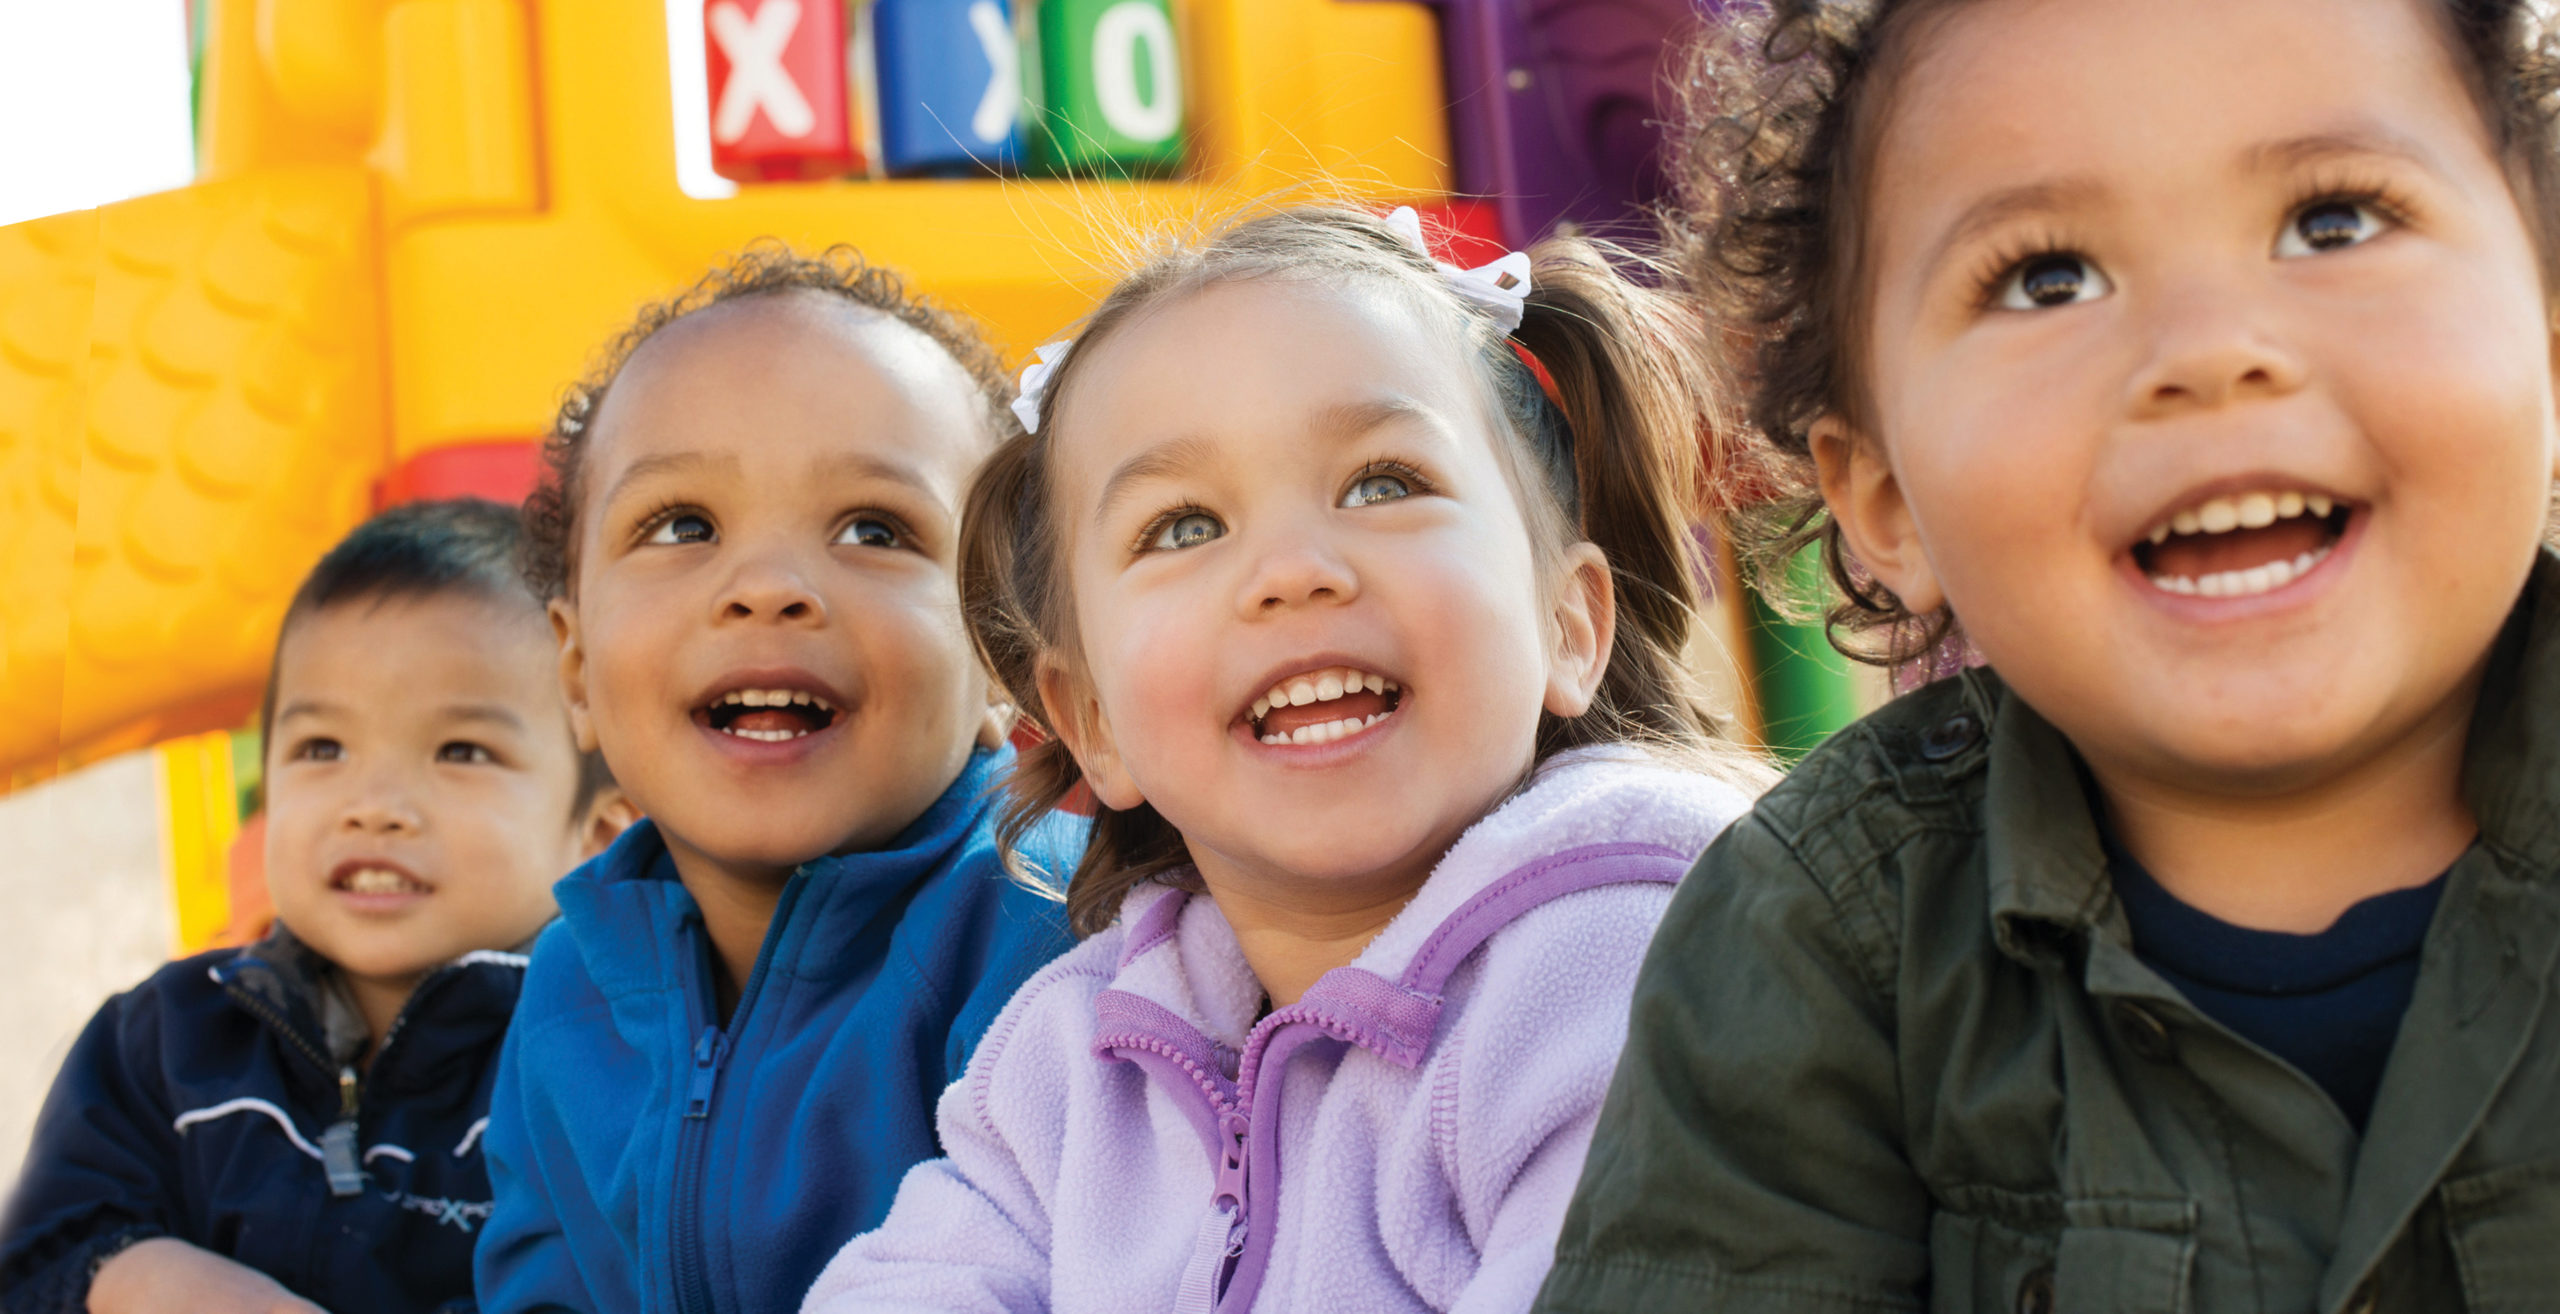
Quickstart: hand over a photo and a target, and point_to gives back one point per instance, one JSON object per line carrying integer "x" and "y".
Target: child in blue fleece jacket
{"x": 730, "y": 1045}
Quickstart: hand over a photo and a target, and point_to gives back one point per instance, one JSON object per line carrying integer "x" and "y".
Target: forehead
{"x": 796, "y": 377}
{"x": 431, "y": 646}
{"x": 1256, "y": 357}
{"x": 2150, "y": 96}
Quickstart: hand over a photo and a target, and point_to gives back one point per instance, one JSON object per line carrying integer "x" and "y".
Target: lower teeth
{"x": 2242, "y": 583}
{"x": 1326, "y": 732}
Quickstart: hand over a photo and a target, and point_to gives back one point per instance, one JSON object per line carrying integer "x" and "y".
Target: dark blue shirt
{"x": 2328, "y": 1003}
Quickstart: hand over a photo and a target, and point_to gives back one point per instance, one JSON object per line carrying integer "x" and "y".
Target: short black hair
{"x": 467, "y": 546}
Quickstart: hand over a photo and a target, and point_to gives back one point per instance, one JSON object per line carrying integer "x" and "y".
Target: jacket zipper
{"x": 710, "y": 1054}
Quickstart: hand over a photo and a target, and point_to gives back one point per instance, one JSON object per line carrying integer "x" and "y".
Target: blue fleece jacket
{"x": 648, "y": 1160}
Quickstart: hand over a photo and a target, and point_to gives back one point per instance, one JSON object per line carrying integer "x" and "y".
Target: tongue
{"x": 1350, "y": 706}
{"x": 768, "y": 719}
{"x": 2198, "y": 555}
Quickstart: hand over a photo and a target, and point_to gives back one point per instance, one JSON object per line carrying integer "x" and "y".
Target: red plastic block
{"x": 778, "y": 90}
{"x": 502, "y": 472}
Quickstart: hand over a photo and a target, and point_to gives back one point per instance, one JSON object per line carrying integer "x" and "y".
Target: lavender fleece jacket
{"x": 1405, "y": 1137}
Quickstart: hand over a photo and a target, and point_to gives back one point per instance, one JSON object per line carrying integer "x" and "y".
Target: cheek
{"x": 1994, "y": 453}
{"x": 1154, "y": 666}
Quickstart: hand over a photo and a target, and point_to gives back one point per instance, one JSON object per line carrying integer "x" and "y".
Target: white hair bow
{"x": 1035, "y": 381}
{"x": 1500, "y": 289}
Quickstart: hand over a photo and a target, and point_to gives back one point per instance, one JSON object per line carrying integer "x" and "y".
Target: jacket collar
{"x": 627, "y": 910}
{"x": 456, "y": 1009}
{"x": 1181, "y": 957}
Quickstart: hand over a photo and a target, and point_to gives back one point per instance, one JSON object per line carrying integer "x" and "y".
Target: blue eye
{"x": 685, "y": 527}
{"x": 1190, "y": 529}
{"x": 2058, "y": 279}
{"x": 869, "y": 531}
{"x": 2327, "y": 226}
{"x": 1377, "y": 488}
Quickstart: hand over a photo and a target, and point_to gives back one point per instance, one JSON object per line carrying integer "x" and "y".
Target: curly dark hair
{"x": 765, "y": 268}
{"x": 1784, "y": 101}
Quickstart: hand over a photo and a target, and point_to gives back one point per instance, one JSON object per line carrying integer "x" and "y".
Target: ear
{"x": 609, "y": 814}
{"x": 1865, "y": 500}
{"x": 997, "y": 725}
{"x": 1586, "y": 628}
{"x": 1077, "y": 716}
{"x": 573, "y": 672}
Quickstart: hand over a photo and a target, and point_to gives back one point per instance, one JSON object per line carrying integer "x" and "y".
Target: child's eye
{"x": 317, "y": 750}
{"x": 683, "y": 527}
{"x": 2058, "y": 279}
{"x": 2329, "y": 225}
{"x": 1190, "y": 529}
{"x": 1377, "y": 488}
{"x": 869, "y": 531}
{"x": 464, "y": 751}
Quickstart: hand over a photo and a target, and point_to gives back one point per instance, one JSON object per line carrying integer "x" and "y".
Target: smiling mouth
{"x": 2242, "y": 545}
{"x": 1319, "y": 707}
{"x": 378, "y": 880}
{"x": 769, "y": 716}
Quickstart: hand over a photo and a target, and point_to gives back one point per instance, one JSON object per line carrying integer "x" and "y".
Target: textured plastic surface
{"x": 950, "y": 84}
{"x": 205, "y": 388}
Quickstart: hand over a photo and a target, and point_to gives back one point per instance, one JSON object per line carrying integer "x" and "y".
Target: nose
{"x": 771, "y": 583}
{"x": 2210, "y": 349}
{"x": 382, "y": 804}
{"x": 1299, "y": 569}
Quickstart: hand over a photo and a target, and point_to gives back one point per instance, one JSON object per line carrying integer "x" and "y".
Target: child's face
{"x": 1264, "y": 487}
{"x": 419, "y": 782}
{"x": 765, "y": 637}
{"x": 2285, "y": 272}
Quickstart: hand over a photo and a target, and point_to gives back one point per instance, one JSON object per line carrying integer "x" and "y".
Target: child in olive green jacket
{"x": 2197, "y": 357}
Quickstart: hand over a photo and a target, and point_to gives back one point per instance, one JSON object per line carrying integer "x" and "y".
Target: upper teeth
{"x": 2221, "y": 515}
{"x": 1319, "y": 687}
{"x": 774, "y": 698}
{"x": 378, "y": 880}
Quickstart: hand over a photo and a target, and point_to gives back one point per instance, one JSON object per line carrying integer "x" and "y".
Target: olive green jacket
{"x": 1891, "y": 1050}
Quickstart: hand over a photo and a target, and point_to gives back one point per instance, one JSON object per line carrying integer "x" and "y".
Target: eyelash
{"x": 2320, "y": 189}
{"x": 660, "y": 514}
{"x": 1388, "y": 465}
{"x": 1145, "y": 541}
{"x": 1385, "y": 465}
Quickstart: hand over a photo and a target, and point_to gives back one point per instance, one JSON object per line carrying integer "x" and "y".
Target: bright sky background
{"x": 93, "y": 103}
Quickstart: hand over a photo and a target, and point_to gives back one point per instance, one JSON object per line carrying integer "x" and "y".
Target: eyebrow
{"x": 2010, "y": 203}
{"x": 665, "y": 463}
{"x": 2293, "y": 152}
{"x": 1342, "y": 421}
{"x": 484, "y": 713}
{"x": 866, "y": 466}
{"x": 304, "y": 707}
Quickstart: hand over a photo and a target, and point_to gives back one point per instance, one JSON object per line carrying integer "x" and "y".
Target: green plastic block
{"x": 1110, "y": 89}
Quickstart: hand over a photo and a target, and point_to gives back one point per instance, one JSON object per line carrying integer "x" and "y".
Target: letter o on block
{"x": 1110, "y": 88}
{"x": 1151, "y": 113}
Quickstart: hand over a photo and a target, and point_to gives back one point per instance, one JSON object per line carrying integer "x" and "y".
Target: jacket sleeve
{"x": 968, "y": 1232}
{"x": 522, "y": 1261}
{"x": 102, "y": 1172}
{"x": 1750, "y": 1154}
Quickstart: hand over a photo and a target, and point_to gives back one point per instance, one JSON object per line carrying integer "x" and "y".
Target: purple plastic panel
{"x": 1556, "y": 106}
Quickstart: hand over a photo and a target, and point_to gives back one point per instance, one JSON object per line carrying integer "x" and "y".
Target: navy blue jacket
{"x": 648, "y": 1159}
{"x": 203, "y": 1105}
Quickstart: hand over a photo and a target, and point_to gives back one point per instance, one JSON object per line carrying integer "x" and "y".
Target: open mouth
{"x": 1319, "y": 707}
{"x": 2242, "y": 545}
{"x": 376, "y": 878}
{"x": 769, "y": 716}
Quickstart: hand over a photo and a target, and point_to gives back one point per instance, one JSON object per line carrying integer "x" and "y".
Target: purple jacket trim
{"x": 1348, "y": 1005}
{"x": 1154, "y": 926}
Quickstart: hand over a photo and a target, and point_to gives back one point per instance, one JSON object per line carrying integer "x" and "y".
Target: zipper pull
{"x": 338, "y": 1143}
{"x": 708, "y": 1053}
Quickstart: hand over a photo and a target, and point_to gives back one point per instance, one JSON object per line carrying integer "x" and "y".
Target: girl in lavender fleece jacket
{"x": 1369, "y": 649}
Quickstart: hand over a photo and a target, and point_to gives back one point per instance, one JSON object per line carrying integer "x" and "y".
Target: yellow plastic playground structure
{"x": 413, "y": 222}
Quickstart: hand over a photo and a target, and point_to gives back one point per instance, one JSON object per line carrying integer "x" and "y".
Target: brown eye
{"x": 683, "y": 527}
{"x": 2056, "y": 279}
{"x": 465, "y": 752}
{"x": 869, "y": 531}
{"x": 2328, "y": 226}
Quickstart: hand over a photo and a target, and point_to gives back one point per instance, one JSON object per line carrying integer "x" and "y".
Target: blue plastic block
{"x": 950, "y": 80}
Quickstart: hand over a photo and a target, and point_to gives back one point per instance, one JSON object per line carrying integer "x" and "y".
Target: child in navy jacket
{"x": 731, "y": 1044}
{"x": 295, "y": 1125}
